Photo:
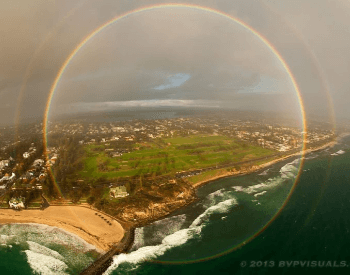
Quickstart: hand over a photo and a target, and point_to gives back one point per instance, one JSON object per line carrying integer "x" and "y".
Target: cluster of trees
{"x": 69, "y": 161}
{"x": 16, "y": 151}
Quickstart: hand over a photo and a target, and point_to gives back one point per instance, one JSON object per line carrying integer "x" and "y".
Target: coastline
{"x": 80, "y": 221}
{"x": 256, "y": 168}
{"x": 83, "y": 222}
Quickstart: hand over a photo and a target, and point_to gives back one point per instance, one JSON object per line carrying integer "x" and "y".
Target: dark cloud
{"x": 133, "y": 56}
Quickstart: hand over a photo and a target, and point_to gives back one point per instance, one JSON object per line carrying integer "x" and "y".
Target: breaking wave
{"x": 264, "y": 173}
{"x": 260, "y": 194}
{"x": 175, "y": 239}
{"x": 43, "y": 264}
{"x": 311, "y": 156}
{"x": 49, "y": 250}
{"x": 37, "y": 248}
{"x": 222, "y": 207}
{"x": 41, "y": 233}
{"x": 216, "y": 197}
{"x": 157, "y": 231}
{"x": 340, "y": 152}
{"x": 288, "y": 171}
{"x": 151, "y": 252}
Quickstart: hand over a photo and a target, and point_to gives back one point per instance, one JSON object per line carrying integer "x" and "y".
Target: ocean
{"x": 236, "y": 227}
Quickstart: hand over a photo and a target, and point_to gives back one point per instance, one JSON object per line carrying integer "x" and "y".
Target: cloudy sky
{"x": 173, "y": 56}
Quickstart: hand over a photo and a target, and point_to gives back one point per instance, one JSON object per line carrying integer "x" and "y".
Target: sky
{"x": 173, "y": 56}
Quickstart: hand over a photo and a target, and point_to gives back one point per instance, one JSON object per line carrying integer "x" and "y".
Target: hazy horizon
{"x": 173, "y": 57}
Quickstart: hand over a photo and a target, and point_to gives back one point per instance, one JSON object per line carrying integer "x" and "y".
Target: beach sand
{"x": 83, "y": 222}
{"x": 78, "y": 220}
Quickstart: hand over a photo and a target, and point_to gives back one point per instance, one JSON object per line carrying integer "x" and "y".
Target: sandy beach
{"x": 78, "y": 220}
{"x": 83, "y": 222}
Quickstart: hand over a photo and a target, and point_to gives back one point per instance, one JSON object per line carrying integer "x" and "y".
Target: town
{"x": 29, "y": 176}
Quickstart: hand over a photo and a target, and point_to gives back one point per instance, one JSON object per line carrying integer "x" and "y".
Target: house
{"x": 16, "y": 203}
{"x": 38, "y": 162}
{"x": 7, "y": 177}
{"x": 4, "y": 163}
{"x": 118, "y": 192}
{"x": 26, "y": 155}
{"x": 39, "y": 186}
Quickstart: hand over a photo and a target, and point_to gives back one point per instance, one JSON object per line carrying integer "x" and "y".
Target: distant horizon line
{"x": 37, "y": 119}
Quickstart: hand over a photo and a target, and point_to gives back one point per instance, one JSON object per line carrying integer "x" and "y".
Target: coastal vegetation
{"x": 167, "y": 156}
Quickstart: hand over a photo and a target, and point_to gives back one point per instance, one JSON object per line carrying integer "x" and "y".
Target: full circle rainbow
{"x": 213, "y": 11}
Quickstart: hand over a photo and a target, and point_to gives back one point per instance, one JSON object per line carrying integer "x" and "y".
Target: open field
{"x": 168, "y": 156}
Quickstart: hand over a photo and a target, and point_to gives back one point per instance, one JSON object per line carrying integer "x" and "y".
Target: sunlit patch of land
{"x": 168, "y": 156}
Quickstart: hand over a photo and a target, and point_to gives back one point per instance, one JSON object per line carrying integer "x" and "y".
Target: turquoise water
{"x": 314, "y": 225}
{"x": 200, "y": 239}
{"x": 42, "y": 249}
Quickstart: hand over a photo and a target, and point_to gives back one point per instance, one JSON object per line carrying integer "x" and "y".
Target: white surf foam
{"x": 40, "y": 238}
{"x": 340, "y": 152}
{"x": 264, "y": 173}
{"x": 4, "y": 239}
{"x": 218, "y": 193}
{"x": 216, "y": 197}
{"x": 41, "y": 233}
{"x": 222, "y": 207}
{"x": 37, "y": 248}
{"x": 288, "y": 171}
{"x": 139, "y": 239}
{"x": 260, "y": 194}
{"x": 311, "y": 157}
{"x": 169, "y": 225}
{"x": 150, "y": 252}
{"x": 178, "y": 238}
{"x": 43, "y": 264}
{"x": 158, "y": 230}
{"x": 251, "y": 189}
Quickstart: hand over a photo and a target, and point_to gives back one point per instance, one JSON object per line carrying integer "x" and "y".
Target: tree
{"x": 101, "y": 204}
{"x": 91, "y": 200}
{"x": 76, "y": 195}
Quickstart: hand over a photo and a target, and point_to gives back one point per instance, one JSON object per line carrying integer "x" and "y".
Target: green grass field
{"x": 168, "y": 156}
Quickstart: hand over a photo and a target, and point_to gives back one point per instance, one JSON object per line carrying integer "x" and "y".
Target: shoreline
{"x": 85, "y": 224}
{"x": 256, "y": 168}
{"x": 199, "y": 184}
{"x": 77, "y": 220}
